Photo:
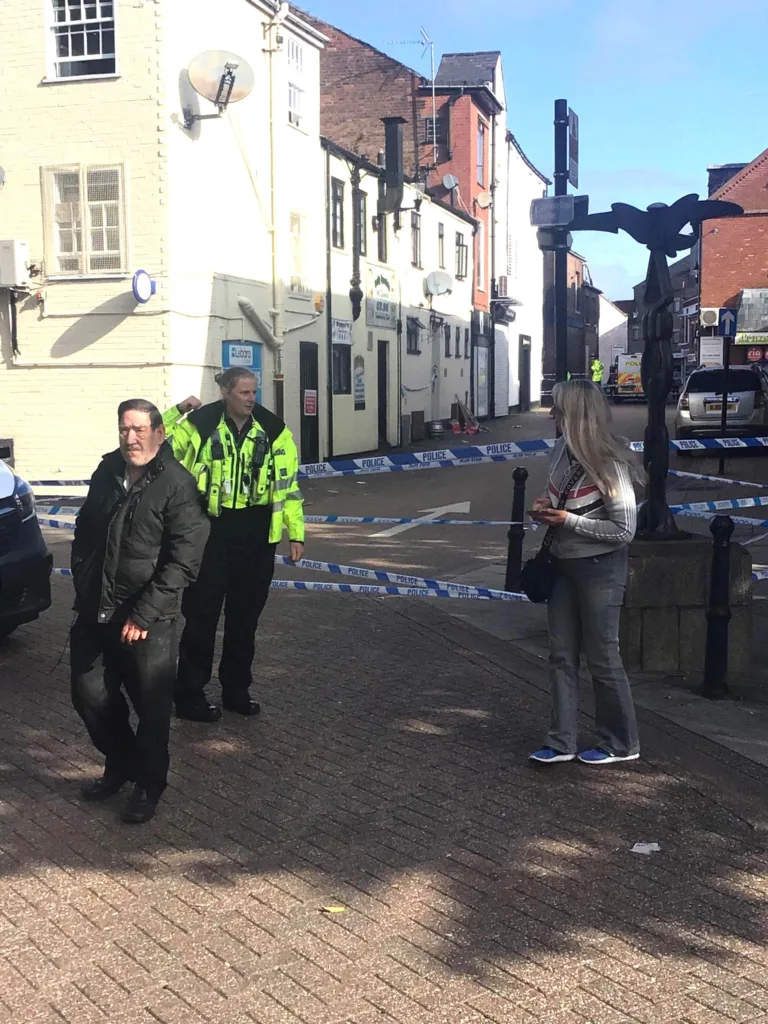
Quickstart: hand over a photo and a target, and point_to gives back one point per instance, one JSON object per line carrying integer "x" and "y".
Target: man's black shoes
{"x": 140, "y": 808}
{"x": 103, "y": 789}
{"x": 242, "y": 706}
{"x": 202, "y": 711}
{"x": 198, "y": 711}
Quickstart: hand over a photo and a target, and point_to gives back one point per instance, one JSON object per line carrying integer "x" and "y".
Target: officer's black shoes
{"x": 103, "y": 789}
{"x": 198, "y": 711}
{"x": 140, "y": 808}
{"x": 242, "y": 706}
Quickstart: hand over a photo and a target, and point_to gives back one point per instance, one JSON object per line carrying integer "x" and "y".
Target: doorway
{"x": 524, "y": 372}
{"x": 383, "y": 392}
{"x": 308, "y": 388}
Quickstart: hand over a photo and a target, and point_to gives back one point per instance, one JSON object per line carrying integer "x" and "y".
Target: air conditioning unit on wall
{"x": 14, "y": 264}
{"x": 709, "y": 317}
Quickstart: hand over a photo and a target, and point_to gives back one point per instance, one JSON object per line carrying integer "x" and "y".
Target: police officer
{"x": 597, "y": 370}
{"x": 245, "y": 462}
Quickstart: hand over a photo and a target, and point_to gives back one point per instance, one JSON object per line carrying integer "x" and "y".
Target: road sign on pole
{"x": 573, "y": 148}
{"x": 726, "y": 323}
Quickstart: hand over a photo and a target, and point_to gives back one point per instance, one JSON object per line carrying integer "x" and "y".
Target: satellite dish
{"x": 450, "y": 182}
{"x": 438, "y": 283}
{"x": 484, "y": 200}
{"x": 222, "y": 78}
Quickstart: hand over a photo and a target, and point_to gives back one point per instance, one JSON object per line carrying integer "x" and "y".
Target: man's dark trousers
{"x": 101, "y": 666}
{"x": 236, "y": 573}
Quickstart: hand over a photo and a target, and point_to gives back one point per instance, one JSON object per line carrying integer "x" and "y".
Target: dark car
{"x": 25, "y": 562}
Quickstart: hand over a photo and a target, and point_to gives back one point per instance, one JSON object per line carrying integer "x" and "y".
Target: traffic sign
{"x": 553, "y": 211}
{"x": 573, "y": 148}
{"x": 726, "y": 323}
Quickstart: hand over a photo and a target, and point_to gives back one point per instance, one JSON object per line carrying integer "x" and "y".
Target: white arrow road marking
{"x": 426, "y": 513}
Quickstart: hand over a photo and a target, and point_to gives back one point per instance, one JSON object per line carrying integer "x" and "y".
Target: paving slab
{"x": 386, "y": 776}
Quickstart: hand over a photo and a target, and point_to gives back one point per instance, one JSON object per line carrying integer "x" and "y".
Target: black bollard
{"x": 516, "y": 533}
{"x": 718, "y": 610}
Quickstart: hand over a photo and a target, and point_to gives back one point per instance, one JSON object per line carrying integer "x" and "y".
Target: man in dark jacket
{"x": 138, "y": 543}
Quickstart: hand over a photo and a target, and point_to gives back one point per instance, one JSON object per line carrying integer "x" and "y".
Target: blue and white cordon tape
{"x": 451, "y": 590}
{"x": 502, "y": 451}
{"x": 52, "y": 512}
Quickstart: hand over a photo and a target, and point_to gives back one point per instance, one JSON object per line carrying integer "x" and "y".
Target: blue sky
{"x": 662, "y": 88}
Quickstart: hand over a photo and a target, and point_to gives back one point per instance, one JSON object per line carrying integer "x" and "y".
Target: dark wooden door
{"x": 309, "y": 398}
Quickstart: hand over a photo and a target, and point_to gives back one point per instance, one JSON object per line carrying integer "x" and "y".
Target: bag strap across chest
{"x": 570, "y": 482}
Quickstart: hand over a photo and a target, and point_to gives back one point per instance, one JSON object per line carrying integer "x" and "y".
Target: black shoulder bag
{"x": 537, "y": 579}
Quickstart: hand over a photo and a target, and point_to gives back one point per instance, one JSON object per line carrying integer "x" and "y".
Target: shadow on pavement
{"x": 387, "y": 775}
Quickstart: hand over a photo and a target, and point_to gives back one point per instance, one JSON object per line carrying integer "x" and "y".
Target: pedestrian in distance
{"x": 592, "y": 532}
{"x": 245, "y": 463}
{"x": 139, "y": 541}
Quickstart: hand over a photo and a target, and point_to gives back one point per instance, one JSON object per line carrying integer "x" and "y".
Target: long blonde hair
{"x": 586, "y": 425}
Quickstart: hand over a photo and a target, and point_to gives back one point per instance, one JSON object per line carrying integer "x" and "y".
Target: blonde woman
{"x": 590, "y": 546}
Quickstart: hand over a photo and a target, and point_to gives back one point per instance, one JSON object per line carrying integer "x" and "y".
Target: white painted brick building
{"x": 103, "y": 179}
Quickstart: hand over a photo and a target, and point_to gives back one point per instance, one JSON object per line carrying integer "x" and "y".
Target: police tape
{"x": 55, "y": 524}
{"x": 718, "y": 506}
{"x": 399, "y": 579}
{"x": 393, "y": 591}
{"x": 714, "y": 479}
{"x": 353, "y": 520}
{"x": 361, "y": 588}
{"x": 742, "y": 520}
{"x": 52, "y": 512}
{"x": 446, "y": 457}
{"x": 760, "y": 572}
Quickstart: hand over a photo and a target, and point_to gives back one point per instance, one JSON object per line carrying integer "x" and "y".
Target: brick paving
{"x": 386, "y": 776}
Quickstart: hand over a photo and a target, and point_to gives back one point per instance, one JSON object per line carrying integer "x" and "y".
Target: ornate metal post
{"x": 656, "y": 371}
{"x": 660, "y": 229}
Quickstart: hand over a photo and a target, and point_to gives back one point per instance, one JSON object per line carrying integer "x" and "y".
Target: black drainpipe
{"x": 329, "y": 299}
{"x": 12, "y": 297}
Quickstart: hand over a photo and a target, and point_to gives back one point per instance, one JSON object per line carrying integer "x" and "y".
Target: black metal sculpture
{"x": 660, "y": 229}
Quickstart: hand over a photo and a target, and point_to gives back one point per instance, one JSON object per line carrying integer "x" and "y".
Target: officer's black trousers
{"x": 101, "y": 667}
{"x": 237, "y": 569}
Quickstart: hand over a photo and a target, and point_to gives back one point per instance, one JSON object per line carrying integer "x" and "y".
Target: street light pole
{"x": 561, "y": 240}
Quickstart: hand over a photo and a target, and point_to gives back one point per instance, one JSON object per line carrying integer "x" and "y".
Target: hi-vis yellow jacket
{"x": 263, "y": 471}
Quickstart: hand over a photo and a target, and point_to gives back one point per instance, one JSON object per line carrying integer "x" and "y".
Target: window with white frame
{"x": 295, "y": 55}
{"x": 298, "y": 255}
{"x": 83, "y": 38}
{"x": 462, "y": 256}
{"x": 295, "y": 105}
{"x": 85, "y": 220}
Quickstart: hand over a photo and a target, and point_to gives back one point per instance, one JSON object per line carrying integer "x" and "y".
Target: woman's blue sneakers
{"x": 598, "y": 756}
{"x": 549, "y": 756}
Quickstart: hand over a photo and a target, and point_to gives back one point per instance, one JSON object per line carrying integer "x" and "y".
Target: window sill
{"x": 81, "y": 78}
{"x": 299, "y": 129}
{"x": 411, "y": 353}
{"x": 117, "y": 275}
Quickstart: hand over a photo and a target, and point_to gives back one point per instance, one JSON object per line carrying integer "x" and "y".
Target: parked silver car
{"x": 699, "y": 408}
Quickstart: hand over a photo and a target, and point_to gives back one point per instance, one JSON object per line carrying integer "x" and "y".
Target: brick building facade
{"x": 734, "y": 255}
{"x": 583, "y": 316}
{"x": 455, "y": 127}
